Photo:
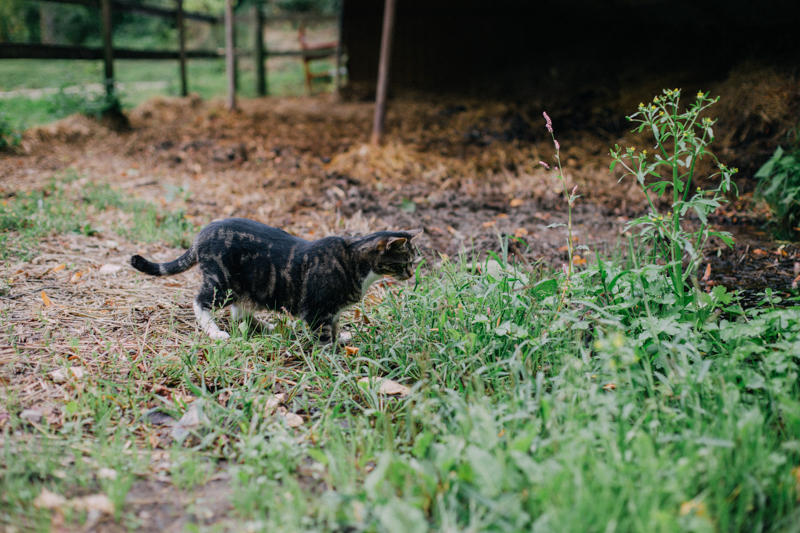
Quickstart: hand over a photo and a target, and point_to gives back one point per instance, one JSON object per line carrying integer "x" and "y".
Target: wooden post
{"x": 337, "y": 77}
{"x": 108, "y": 47}
{"x": 383, "y": 71}
{"x": 230, "y": 55}
{"x": 258, "y": 50}
{"x": 182, "y": 47}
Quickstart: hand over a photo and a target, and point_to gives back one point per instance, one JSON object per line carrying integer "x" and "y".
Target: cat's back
{"x": 242, "y": 233}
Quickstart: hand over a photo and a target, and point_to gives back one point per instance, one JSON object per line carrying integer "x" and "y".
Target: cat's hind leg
{"x": 240, "y": 313}
{"x": 205, "y": 301}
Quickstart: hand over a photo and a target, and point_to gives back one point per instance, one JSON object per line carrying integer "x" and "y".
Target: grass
{"x": 536, "y": 403}
{"x": 206, "y": 77}
{"x": 31, "y": 216}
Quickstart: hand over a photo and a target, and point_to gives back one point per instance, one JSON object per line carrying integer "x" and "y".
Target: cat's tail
{"x": 184, "y": 262}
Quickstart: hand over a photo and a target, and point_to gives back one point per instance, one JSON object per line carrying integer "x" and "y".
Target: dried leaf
{"x": 107, "y": 473}
{"x": 387, "y": 386}
{"x": 520, "y": 232}
{"x": 274, "y": 401}
{"x": 351, "y": 350}
{"x": 46, "y": 300}
{"x": 60, "y": 267}
{"x": 516, "y": 202}
{"x": 609, "y": 386}
{"x": 75, "y": 277}
{"x": 293, "y": 420}
{"x": 31, "y": 415}
{"x": 578, "y": 260}
{"x": 698, "y": 507}
{"x": 60, "y": 375}
{"x": 94, "y": 502}
{"x": 49, "y": 500}
{"x": 707, "y": 275}
{"x": 489, "y": 224}
{"x": 759, "y": 252}
{"x": 109, "y": 269}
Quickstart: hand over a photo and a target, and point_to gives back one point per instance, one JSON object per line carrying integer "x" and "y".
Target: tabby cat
{"x": 251, "y": 266}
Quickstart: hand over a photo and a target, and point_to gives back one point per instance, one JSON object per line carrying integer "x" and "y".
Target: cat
{"x": 251, "y": 266}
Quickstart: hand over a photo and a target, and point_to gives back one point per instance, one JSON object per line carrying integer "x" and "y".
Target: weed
{"x": 9, "y": 137}
{"x": 681, "y": 139}
{"x": 779, "y": 186}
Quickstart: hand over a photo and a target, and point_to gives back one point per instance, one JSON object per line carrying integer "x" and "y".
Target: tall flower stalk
{"x": 570, "y": 196}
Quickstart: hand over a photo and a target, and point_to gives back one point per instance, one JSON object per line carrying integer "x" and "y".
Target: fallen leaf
{"x": 109, "y": 269}
{"x": 293, "y": 420}
{"x": 49, "y": 500}
{"x": 609, "y": 386}
{"x": 520, "y": 232}
{"x": 578, "y": 260}
{"x": 516, "y": 202}
{"x": 46, "y": 300}
{"x": 489, "y": 224}
{"x": 94, "y": 502}
{"x": 31, "y": 415}
{"x": 75, "y": 277}
{"x": 387, "y": 386}
{"x": 759, "y": 251}
{"x": 696, "y": 506}
{"x": 351, "y": 350}
{"x": 564, "y": 248}
{"x": 107, "y": 473}
{"x": 60, "y": 267}
{"x": 501, "y": 215}
{"x": 274, "y": 401}
{"x": 192, "y": 419}
{"x": 60, "y": 375}
{"x": 707, "y": 275}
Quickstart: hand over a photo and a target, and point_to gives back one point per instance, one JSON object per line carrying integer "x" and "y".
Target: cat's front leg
{"x": 207, "y": 324}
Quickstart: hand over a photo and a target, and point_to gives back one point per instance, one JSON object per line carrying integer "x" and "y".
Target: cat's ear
{"x": 414, "y": 233}
{"x": 391, "y": 243}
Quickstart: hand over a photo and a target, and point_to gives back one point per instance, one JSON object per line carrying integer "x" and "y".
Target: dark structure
{"x": 521, "y": 47}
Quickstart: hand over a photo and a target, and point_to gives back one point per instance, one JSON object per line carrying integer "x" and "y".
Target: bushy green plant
{"x": 9, "y": 137}
{"x": 682, "y": 139}
{"x": 779, "y": 186}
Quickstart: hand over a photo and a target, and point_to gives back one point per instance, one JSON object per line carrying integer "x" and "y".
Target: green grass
{"x": 206, "y": 77}
{"x": 32, "y": 216}
{"x": 536, "y": 404}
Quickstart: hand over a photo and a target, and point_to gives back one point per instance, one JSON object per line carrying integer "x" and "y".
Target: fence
{"x": 108, "y": 53}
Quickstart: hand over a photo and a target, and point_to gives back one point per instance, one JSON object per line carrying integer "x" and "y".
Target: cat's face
{"x": 396, "y": 255}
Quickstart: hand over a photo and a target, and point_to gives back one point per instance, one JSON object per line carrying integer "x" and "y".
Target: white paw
{"x": 345, "y": 336}
{"x": 219, "y": 335}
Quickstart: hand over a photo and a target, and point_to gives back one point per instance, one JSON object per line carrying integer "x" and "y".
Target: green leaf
{"x": 545, "y": 288}
{"x": 318, "y": 455}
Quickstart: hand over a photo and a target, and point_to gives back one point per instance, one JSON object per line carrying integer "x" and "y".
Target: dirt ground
{"x": 466, "y": 171}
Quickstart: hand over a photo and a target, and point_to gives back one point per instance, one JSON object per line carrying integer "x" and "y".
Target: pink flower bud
{"x": 574, "y": 190}
{"x": 549, "y": 123}
{"x": 545, "y": 165}
{"x": 558, "y": 146}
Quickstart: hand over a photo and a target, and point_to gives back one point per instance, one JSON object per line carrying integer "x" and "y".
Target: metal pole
{"x": 230, "y": 55}
{"x": 182, "y": 47}
{"x": 337, "y": 77}
{"x": 383, "y": 71}
{"x": 108, "y": 48}
{"x": 258, "y": 50}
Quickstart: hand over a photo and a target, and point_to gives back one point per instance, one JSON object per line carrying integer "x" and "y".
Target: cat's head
{"x": 394, "y": 254}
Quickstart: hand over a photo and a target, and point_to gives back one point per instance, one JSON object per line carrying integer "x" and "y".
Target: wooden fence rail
{"x": 108, "y": 53}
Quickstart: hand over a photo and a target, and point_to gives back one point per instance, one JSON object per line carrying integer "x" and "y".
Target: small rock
{"x": 31, "y": 415}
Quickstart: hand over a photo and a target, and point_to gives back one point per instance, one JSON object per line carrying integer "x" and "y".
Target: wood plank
{"x": 56, "y": 51}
